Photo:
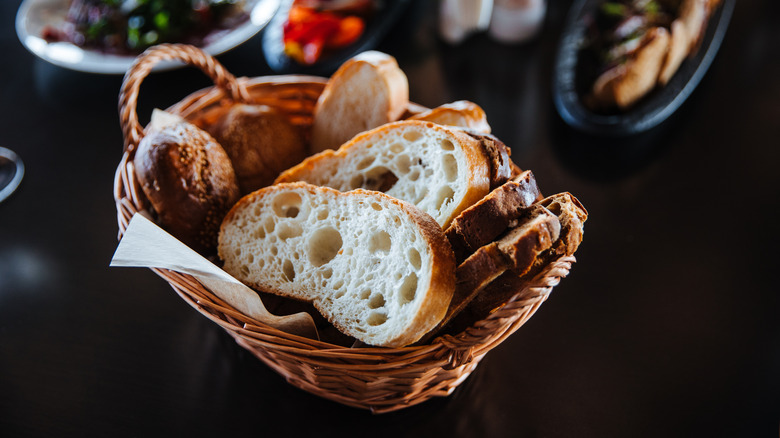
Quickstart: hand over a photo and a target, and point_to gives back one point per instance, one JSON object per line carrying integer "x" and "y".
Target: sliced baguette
{"x": 367, "y": 91}
{"x": 516, "y": 251}
{"x": 572, "y": 216}
{"x": 461, "y": 113}
{"x": 498, "y": 155}
{"x": 441, "y": 170}
{"x": 377, "y": 268}
{"x": 479, "y": 224}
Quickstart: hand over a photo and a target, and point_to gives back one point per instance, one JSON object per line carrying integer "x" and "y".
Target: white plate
{"x": 34, "y": 15}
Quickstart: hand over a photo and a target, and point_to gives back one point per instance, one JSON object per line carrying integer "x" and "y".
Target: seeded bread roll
{"x": 189, "y": 180}
{"x": 441, "y": 170}
{"x": 367, "y": 91}
{"x": 260, "y": 142}
{"x": 377, "y": 268}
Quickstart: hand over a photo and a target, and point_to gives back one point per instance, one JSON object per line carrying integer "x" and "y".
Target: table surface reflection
{"x": 667, "y": 326}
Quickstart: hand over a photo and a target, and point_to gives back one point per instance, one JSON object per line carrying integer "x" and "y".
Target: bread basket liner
{"x": 375, "y": 378}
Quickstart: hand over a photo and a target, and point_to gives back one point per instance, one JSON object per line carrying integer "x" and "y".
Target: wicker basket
{"x": 379, "y": 379}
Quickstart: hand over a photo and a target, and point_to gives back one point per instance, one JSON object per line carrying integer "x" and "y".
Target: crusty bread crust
{"x": 572, "y": 216}
{"x": 189, "y": 180}
{"x": 260, "y": 142}
{"x": 479, "y": 224}
{"x": 461, "y": 113}
{"x": 367, "y": 91}
{"x": 473, "y": 173}
{"x": 498, "y": 155}
{"x": 516, "y": 251}
{"x": 436, "y": 266}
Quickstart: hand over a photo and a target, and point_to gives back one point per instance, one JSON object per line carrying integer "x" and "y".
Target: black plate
{"x": 653, "y": 108}
{"x": 377, "y": 27}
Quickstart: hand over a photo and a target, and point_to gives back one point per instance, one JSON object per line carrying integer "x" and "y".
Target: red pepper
{"x": 350, "y": 29}
{"x": 308, "y": 32}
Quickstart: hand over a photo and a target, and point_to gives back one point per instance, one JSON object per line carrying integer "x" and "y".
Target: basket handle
{"x": 142, "y": 66}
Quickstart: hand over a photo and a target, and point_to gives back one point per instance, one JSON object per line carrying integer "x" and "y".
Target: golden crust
{"x": 347, "y": 90}
{"x": 678, "y": 51}
{"x": 478, "y": 167}
{"x": 461, "y": 113}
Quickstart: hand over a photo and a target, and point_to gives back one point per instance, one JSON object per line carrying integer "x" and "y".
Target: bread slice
{"x": 679, "y": 49}
{"x": 441, "y": 170}
{"x": 377, "y": 268}
{"x": 461, "y": 113}
{"x": 516, "y": 250}
{"x": 498, "y": 155}
{"x": 625, "y": 84}
{"x": 479, "y": 224}
{"x": 572, "y": 216}
{"x": 367, "y": 91}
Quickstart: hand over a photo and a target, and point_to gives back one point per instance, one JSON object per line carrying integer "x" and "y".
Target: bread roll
{"x": 260, "y": 142}
{"x": 189, "y": 180}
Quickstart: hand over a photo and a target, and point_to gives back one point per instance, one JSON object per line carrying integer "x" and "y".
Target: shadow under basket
{"x": 374, "y": 378}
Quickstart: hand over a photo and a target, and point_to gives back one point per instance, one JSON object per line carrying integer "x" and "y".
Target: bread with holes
{"x": 439, "y": 169}
{"x": 379, "y": 269}
{"x": 367, "y": 91}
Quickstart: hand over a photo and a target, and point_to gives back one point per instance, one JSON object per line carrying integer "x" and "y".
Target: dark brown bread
{"x": 481, "y": 223}
{"x": 498, "y": 155}
{"x": 190, "y": 182}
{"x": 260, "y": 142}
{"x": 517, "y": 250}
{"x": 572, "y": 216}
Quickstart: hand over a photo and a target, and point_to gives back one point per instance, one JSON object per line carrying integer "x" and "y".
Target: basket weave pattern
{"x": 379, "y": 379}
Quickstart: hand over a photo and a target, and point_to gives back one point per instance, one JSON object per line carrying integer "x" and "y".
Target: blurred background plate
{"x": 34, "y": 15}
{"x": 653, "y": 108}
{"x": 386, "y": 15}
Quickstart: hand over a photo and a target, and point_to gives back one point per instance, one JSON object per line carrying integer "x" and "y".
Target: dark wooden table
{"x": 667, "y": 326}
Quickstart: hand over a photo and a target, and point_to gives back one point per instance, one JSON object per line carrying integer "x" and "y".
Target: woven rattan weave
{"x": 379, "y": 379}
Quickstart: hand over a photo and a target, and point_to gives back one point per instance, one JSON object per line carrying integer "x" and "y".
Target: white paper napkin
{"x": 144, "y": 244}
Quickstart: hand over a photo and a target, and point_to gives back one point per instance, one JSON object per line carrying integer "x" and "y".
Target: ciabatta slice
{"x": 377, "y": 268}
{"x": 439, "y": 169}
{"x": 367, "y": 91}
